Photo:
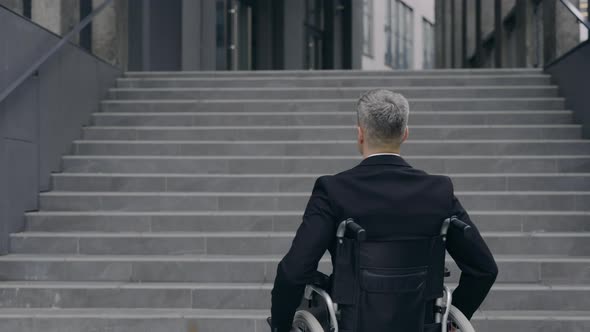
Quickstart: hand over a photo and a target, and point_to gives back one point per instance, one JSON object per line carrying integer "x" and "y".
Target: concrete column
{"x": 110, "y": 33}
{"x": 14, "y": 5}
{"x": 208, "y": 47}
{"x": 357, "y": 34}
{"x": 568, "y": 31}
{"x": 58, "y": 16}
{"x": 191, "y": 35}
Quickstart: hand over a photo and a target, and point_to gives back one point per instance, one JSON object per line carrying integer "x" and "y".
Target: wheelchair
{"x": 384, "y": 285}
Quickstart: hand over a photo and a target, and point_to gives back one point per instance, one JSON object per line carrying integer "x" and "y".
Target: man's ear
{"x": 360, "y": 135}
{"x": 406, "y": 134}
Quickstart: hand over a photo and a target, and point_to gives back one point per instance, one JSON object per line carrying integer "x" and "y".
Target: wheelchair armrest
{"x": 321, "y": 280}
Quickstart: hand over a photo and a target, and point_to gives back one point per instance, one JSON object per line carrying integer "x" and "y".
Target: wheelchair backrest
{"x": 387, "y": 282}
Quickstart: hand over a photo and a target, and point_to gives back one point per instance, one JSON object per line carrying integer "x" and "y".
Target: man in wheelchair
{"x": 388, "y": 254}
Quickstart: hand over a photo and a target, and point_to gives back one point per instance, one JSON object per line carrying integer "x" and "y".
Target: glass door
{"x": 314, "y": 33}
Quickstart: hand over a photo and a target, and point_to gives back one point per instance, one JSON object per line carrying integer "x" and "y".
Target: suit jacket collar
{"x": 385, "y": 160}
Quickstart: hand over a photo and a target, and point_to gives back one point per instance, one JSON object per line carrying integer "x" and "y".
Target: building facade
{"x": 398, "y": 34}
{"x": 505, "y": 33}
{"x": 247, "y": 34}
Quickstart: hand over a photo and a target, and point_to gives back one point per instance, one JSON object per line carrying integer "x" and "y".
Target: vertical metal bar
{"x": 443, "y": 44}
{"x": 453, "y": 34}
{"x": 145, "y": 35}
{"x": 464, "y": 34}
{"x": 498, "y": 32}
{"x": 478, "y": 43}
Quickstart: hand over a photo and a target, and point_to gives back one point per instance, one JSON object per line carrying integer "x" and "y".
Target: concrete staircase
{"x": 176, "y": 205}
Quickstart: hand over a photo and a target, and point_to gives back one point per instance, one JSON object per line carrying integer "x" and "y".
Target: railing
{"x": 576, "y": 12}
{"x": 37, "y": 64}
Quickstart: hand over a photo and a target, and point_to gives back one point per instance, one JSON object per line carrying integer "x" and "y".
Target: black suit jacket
{"x": 386, "y": 196}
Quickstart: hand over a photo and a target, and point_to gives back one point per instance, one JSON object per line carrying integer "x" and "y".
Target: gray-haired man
{"x": 387, "y": 197}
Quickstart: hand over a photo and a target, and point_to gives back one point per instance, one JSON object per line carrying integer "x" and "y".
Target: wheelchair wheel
{"x": 462, "y": 323}
{"x": 304, "y": 321}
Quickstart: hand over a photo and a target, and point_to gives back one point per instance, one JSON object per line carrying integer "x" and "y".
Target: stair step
{"x": 204, "y": 320}
{"x": 211, "y": 268}
{"x": 336, "y": 148}
{"x": 242, "y": 221}
{"x": 91, "y": 182}
{"x": 338, "y": 81}
{"x": 543, "y": 91}
{"x": 336, "y": 73}
{"x": 273, "y": 201}
{"x": 257, "y": 243}
{"x": 170, "y": 103}
{"x": 145, "y": 118}
{"x": 328, "y": 132}
{"x": 320, "y": 164}
{"x": 244, "y": 295}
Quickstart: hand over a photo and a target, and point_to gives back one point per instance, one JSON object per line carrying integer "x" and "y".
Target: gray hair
{"x": 384, "y": 116}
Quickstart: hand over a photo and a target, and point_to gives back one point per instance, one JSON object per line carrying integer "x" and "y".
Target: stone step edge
{"x": 241, "y": 286}
{"x": 275, "y": 213}
{"x": 284, "y": 194}
{"x": 149, "y": 314}
{"x": 323, "y": 127}
{"x": 256, "y": 234}
{"x": 69, "y": 258}
{"x": 337, "y": 71}
{"x": 287, "y": 112}
{"x": 343, "y": 141}
{"x": 337, "y": 88}
{"x": 351, "y": 157}
{"x": 330, "y": 100}
{"x": 298, "y": 175}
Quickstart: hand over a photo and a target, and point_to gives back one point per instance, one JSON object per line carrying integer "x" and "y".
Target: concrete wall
{"x": 421, "y": 8}
{"x": 39, "y": 120}
{"x": 14, "y": 5}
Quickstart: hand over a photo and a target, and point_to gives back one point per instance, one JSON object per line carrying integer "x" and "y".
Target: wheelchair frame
{"x": 443, "y": 304}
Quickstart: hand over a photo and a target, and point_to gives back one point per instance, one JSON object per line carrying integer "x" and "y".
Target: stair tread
{"x": 239, "y": 258}
{"x": 269, "y": 234}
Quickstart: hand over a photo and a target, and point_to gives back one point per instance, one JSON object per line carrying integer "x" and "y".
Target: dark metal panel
{"x": 165, "y": 35}
{"x": 478, "y": 36}
{"x": 51, "y": 146}
{"x": 20, "y": 112}
{"x": 521, "y": 12}
{"x": 453, "y": 34}
{"x": 464, "y": 19}
{"x": 23, "y": 44}
{"x": 21, "y": 184}
{"x": 498, "y": 33}
{"x": 570, "y": 72}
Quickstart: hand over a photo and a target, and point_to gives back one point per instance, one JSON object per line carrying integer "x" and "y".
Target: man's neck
{"x": 367, "y": 154}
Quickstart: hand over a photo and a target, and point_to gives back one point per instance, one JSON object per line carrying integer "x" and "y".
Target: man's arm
{"x": 298, "y": 267}
{"x": 478, "y": 268}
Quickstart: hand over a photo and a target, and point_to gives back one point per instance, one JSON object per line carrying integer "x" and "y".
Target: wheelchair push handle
{"x": 348, "y": 226}
{"x": 459, "y": 224}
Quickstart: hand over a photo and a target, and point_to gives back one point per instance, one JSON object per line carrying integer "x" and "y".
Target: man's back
{"x": 388, "y": 198}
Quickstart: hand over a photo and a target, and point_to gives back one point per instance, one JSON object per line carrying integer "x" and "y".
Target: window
{"x": 428, "y": 44}
{"x": 368, "y": 27}
{"x": 399, "y": 31}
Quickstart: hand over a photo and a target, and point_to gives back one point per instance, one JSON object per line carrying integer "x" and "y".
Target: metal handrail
{"x": 35, "y": 66}
{"x": 576, "y": 12}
